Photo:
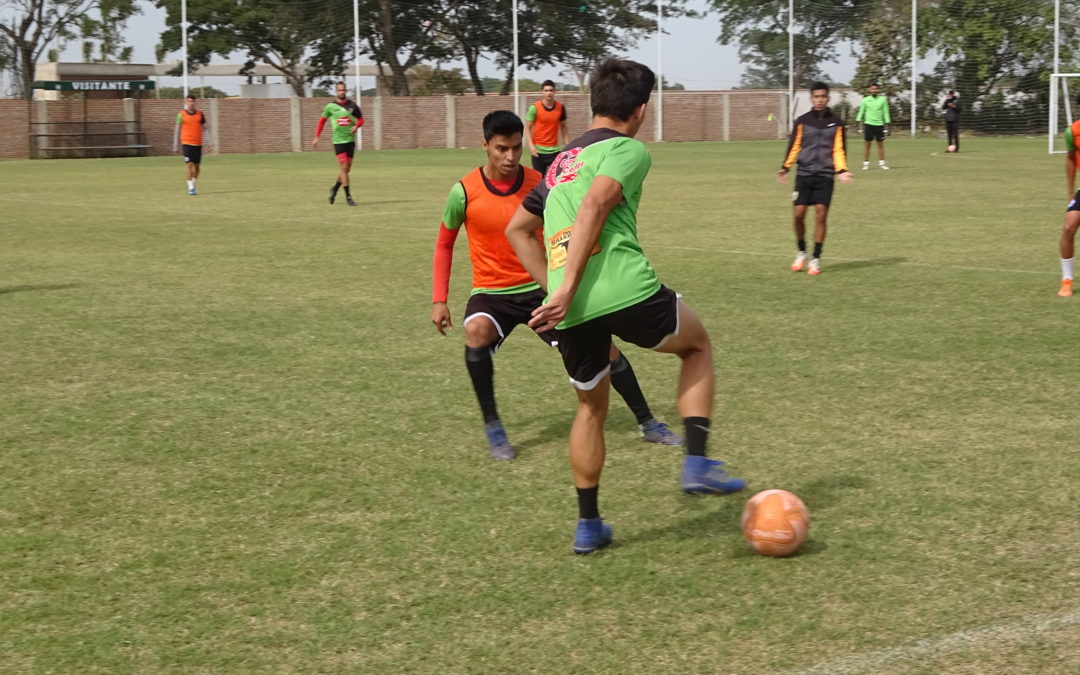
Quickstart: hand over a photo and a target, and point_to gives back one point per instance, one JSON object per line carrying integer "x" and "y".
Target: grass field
{"x": 233, "y": 442}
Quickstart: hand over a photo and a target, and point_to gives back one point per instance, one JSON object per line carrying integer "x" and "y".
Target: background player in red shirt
{"x": 504, "y": 295}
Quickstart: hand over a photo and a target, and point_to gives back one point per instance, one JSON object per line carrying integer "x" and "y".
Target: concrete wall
{"x": 288, "y": 125}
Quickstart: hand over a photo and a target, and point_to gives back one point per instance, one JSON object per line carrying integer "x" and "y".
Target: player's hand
{"x": 781, "y": 176}
{"x": 534, "y": 152}
{"x": 846, "y": 177}
{"x": 440, "y": 316}
{"x": 315, "y": 142}
{"x": 550, "y": 314}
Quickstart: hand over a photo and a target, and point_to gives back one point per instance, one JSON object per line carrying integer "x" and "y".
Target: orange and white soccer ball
{"x": 775, "y": 523}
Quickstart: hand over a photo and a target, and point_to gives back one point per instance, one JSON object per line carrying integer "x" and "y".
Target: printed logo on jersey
{"x": 564, "y": 169}
{"x": 558, "y": 245}
{"x": 344, "y": 121}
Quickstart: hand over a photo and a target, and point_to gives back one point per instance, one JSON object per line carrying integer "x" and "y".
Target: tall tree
{"x": 401, "y": 35}
{"x": 279, "y": 33}
{"x": 28, "y": 27}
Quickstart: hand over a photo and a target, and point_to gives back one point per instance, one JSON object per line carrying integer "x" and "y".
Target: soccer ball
{"x": 951, "y": 148}
{"x": 775, "y": 523}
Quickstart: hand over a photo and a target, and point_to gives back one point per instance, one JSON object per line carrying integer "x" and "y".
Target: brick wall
{"x": 266, "y": 125}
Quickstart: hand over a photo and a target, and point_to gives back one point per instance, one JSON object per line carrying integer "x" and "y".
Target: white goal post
{"x": 1060, "y": 101}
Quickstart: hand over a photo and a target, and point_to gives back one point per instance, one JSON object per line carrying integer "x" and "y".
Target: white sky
{"x": 691, "y": 55}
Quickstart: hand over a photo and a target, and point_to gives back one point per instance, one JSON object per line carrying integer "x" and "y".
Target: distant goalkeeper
{"x": 874, "y": 115}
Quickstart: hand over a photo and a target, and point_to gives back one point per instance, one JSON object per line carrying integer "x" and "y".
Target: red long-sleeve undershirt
{"x": 444, "y": 258}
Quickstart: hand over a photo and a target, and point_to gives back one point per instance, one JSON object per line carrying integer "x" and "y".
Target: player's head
{"x": 547, "y": 88}
{"x": 502, "y": 141}
{"x": 189, "y": 101}
{"x": 620, "y": 89}
{"x": 341, "y": 91}
{"x": 874, "y": 89}
{"x": 952, "y": 93}
{"x": 819, "y": 96}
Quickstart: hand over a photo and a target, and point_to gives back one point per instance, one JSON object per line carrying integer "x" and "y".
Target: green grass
{"x": 232, "y": 441}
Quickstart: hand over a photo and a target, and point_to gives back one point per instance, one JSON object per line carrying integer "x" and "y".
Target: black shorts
{"x": 813, "y": 190}
{"x": 192, "y": 153}
{"x": 347, "y": 149}
{"x": 873, "y": 132}
{"x": 1074, "y": 204}
{"x": 542, "y": 161}
{"x": 586, "y": 347}
{"x": 507, "y": 311}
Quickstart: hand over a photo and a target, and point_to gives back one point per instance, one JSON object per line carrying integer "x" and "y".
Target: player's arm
{"x": 453, "y": 218}
{"x": 359, "y": 115}
{"x": 176, "y": 134}
{"x": 1070, "y": 171}
{"x": 604, "y": 194}
{"x": 840, "y": 154}
{"x": 521, "y": 233}
{"x": 529, "y": 124}
{"x": 888, "y": 120}
{"x": 318, "y": 130}
{"x": 793, "y": 149}
{"x": 206, "y": 133}
{"x": 562, "y": 126}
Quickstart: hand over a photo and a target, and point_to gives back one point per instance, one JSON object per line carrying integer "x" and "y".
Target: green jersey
{"x": 874, "y": 110}
{"x": 343, "y": 117}
{"x": 617, "y": 274}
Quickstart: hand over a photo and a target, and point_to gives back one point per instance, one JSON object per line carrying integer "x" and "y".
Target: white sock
{"x": 866, "y": 163}
{"x": 1066, "y": 268}
{"x": 881, "y": 162}
{"x": 191, "y": 184}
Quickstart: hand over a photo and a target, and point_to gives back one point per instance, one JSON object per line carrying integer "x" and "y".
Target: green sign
{"x": 95, "y": 85}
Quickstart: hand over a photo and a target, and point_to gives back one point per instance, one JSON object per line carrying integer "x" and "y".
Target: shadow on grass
{"x": 859, "y": 264}
{"x": 39, "y": 287}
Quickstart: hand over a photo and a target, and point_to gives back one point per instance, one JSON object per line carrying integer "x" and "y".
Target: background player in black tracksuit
{"x": 819, "y": 145}
{"x": 953, "y": 107}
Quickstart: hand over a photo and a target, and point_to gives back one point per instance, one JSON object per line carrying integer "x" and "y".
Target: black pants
{"x": 953, "y": 130}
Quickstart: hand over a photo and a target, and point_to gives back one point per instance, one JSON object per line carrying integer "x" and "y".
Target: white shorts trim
{"x": 678, "y": 323}
{"x": 498, "y": 328}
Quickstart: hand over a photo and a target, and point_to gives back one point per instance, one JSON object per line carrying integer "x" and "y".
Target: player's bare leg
{"x": 821, "y": 214}
{"x": 799, "y": 222}
{"x": 881, "y": 155}
{"x": 1067, "y": 245}
{"x": 587, "y": 452}
{"x": 697, "y": 389}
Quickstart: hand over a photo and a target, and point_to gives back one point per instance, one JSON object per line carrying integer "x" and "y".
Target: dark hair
{"x": 548, "y": 83}
{"x": 617, "y": 87}
{"x": 875, "y": 84}
{"x": 818, "y": 86}
{"x": 502, "y": 123}
{"x": 342, "y": 83}
{"x": 951, "y": 92}
{"x": 191, "y": 96}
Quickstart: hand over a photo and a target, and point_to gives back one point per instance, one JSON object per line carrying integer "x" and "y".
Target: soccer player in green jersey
{"x": 600, "y": 284}
{"x": 874, "y": 114}
{"x": 347, "y": 118}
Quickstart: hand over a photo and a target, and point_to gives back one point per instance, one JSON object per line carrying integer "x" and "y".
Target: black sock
{"x": 817, "y": 247}
{"x": 801, "y": 243}
{"x": 482, "y": 372}
{"x": 334, "y": 189}
{"x": 586, "y": 500}
{"x": 625, "y": 382}
{"x": 697, "y": 435}
{"x": 347, "y": 193}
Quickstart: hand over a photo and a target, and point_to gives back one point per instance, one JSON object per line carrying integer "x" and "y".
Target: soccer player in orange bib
{"x": 545, "y": 121}
{"x": 504, "y": 295}
{"x": 1072, "y": 211}
{"x": 190, "y": 131}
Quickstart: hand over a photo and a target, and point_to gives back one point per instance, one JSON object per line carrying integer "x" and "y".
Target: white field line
{"x": 963, "y": 268}
{"x": 1016, "y": 631}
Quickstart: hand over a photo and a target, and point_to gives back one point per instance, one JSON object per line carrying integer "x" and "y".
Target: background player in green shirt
{"x": 347, "y": 119}
{"x": 600, "y": 284}
{"x": 874, "y": 114}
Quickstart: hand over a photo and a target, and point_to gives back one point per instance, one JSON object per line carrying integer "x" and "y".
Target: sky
{"x": 691, "y": 56}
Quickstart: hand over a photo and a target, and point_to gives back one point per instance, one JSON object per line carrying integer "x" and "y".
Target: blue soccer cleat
{"x": 655, "y": 431}
{"x": 498, "y": 443}
{"x": 704, "y": 476}
{"x": 592, "y": 534}
{"x": 191, "y": 191}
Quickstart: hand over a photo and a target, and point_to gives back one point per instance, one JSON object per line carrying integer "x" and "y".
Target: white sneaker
{"x": 799, "y": 263}
{"x": 865, "y": 166}
{"x": 815, "y": 267}
{"x": 883, "y": 166}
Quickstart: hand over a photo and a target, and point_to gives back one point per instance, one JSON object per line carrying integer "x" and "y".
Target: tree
{"x": 426, "y": 81}
{"x": 28, "y": 27}
{"x": 178, "y": 92}
{"x": 401, "y": 35}
{"x": 278, "y": 33}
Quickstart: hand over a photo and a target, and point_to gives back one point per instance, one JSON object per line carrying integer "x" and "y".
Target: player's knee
{"x": 480, "y": 333}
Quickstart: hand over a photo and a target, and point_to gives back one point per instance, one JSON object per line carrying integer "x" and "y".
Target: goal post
{"x": 1061, "y": 110}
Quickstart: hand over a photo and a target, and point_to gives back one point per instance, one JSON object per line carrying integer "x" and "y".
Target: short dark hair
{"x": 191, "y": 96}
{"x": 342, "y": 83}
{"x": 548, "y": 83}
{"x": 875, "y": 84}
{"x": 502, "y": 123}
{"x": 817, "y": 86}
{"x": 951, "y": 92}
{"x": 617, "y": 87}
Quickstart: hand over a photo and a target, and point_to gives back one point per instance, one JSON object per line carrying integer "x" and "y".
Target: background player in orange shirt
{"x": 1072, "y": 211}
{"x": 190, "y": 130}
{"x": 504, "y": 295}
{"x": 544, "y": 122}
